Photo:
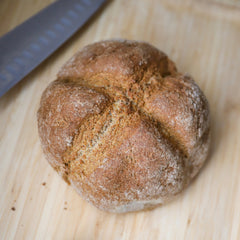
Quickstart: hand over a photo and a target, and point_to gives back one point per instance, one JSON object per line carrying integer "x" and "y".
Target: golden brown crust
{"x": 123, "y": 126}
{"x": 64, "y": 106}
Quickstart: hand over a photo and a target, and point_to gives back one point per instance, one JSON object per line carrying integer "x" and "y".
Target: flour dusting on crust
{"x": 123, "y": 127}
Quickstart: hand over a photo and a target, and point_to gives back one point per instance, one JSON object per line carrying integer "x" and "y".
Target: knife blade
{"x": 29, "y": 44}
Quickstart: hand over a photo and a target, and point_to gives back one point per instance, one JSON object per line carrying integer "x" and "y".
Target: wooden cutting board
{"x": 203, "y": 38}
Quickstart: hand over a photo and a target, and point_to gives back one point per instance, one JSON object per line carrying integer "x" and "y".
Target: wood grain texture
{"x": 203, "y": 38}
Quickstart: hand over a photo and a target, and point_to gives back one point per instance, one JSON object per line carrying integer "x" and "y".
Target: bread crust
{"x": 123, "y": 126}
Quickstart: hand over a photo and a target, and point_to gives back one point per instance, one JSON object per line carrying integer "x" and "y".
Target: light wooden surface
{"x": 203, "y": 38}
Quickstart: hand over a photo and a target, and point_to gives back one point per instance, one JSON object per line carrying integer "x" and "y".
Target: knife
{"x": 29, "y": 44}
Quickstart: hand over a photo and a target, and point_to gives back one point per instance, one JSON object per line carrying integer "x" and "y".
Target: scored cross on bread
{"x": 123, "y": 126}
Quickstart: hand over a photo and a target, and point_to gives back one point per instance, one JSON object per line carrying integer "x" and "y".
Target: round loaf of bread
{"x": 123, "y": 126}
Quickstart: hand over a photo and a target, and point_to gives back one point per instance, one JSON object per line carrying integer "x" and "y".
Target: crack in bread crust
{"x": 94, "y": 129}
{"x": 136, "y": 90}
{"x": 60, "y": 115}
